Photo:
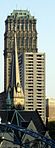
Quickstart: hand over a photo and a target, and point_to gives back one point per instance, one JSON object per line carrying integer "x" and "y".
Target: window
{"x": 22, "y": 41}
{"x": 39, "y": 55}
{"x": 34, "y": 26}
{"x": 30, "y": 25}
{"x": 26, "y": 26}
{"x": 22, "y": 26}
{"x": 18, "y": 26}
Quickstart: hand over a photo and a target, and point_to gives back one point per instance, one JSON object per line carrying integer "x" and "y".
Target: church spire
{"x": 15, "y": 85}
{"x": 18, "y": 95}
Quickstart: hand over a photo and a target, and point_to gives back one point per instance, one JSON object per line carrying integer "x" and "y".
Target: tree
{"x": 51, "y": 128}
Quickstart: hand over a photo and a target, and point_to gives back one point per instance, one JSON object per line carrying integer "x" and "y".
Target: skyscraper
{"x": 26, "y": 37}
{"x": 31, "y": 62}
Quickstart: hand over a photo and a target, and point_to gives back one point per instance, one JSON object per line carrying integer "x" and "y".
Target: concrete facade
{"x": 32, "y": 70}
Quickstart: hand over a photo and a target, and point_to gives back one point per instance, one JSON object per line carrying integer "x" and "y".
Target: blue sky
{"x": 44, "y": 12}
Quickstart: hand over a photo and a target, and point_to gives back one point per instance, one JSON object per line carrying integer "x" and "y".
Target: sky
{"x": 44, "y": 12}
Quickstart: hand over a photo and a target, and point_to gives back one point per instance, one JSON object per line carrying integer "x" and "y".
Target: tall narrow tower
{"x": 15, "y": 95}
{"x": 30, "y": 71}
{"x": 26, "y": 38}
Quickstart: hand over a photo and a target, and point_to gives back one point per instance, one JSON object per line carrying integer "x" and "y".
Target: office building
{"x": 32, "y": 74}
{"x": 31, "y": 62}
{"x": 26, "y": 38}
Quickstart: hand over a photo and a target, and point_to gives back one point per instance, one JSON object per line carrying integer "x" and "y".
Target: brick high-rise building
{"x": 26, "y": 37}
{"x": 31, "y": 62}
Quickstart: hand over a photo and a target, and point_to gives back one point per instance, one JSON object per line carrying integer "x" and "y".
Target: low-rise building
{"x": 50, "y": 109}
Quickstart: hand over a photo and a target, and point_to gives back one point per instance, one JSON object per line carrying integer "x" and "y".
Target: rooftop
{"x": 21, "y": 13}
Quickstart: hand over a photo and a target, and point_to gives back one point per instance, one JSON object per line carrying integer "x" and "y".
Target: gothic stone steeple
{"x": 16, "y": 93}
